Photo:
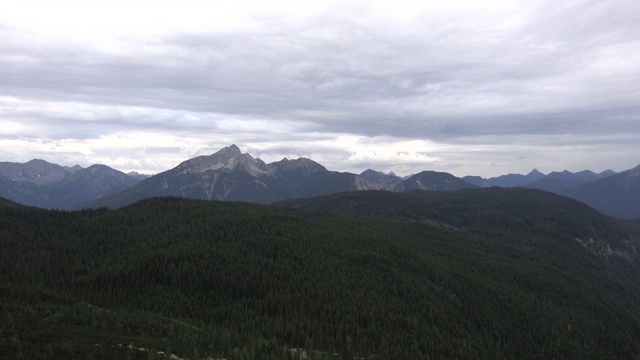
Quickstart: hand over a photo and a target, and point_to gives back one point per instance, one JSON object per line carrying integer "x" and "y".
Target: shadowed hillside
{"x": 483, "y": 273}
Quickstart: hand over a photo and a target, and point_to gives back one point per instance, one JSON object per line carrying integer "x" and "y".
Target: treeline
{"x": 232, "y": 280}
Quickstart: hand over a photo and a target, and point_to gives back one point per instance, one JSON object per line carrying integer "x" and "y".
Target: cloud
{"x": 416, "y": 84}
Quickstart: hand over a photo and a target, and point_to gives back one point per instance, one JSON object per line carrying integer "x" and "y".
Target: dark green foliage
{"x": 490, "y": 273}
{"x": 433, "y": 180}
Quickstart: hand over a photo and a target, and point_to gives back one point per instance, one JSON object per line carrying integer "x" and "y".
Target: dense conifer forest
{"x": 485, "y": 273}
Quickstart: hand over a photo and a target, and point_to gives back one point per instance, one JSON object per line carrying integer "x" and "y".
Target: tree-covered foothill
{"x": 489, "y": 273}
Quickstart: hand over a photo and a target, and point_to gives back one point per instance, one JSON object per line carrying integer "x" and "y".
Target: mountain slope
{"x": 91, "y": 183}
{"x": 473, "y": 274}
{"x": 554, "y": 181}
{"x": 23, "y": 192}
{"x": 433, "y": 180}
{"x": 559, "y": 182}
{"x": 45, "y": 185}
{"x": 478, "y": 181}
{"x": 36, "y": 171}
{"x": 512, "y": 180}
{"x": 380, "y": 177}
{"x": 501, "y": 212}
{"x": 30, "y": 183}
{"x": 610, "y": 193}
{"x": 617, "y": 195}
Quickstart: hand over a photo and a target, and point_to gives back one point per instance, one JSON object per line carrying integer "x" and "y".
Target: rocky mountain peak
{"x": 379, "y": 176}
{"x": 232, "y": 150}
{"x": 229, "y": 158}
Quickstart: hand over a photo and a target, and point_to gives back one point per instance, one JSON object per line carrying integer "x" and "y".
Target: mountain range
{"x": 616, "y": 194}
{"x": 231, "y": 175}
{"x": 553, "y": 182}
{"x": 42, "y": 184}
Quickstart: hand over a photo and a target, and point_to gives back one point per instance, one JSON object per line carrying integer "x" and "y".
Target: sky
{"x": 467, "y": 87}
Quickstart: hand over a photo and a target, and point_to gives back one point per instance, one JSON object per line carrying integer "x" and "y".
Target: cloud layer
{"x": 465, "y": 88}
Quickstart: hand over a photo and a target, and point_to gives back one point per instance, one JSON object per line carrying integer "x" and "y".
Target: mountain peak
{"x": 231, "y": 148}
{"x": 535, "y": 172}
{"x": 371, "y": 171}
{"x": 379, "y": 176}
{"x": 301, "y": 164}
{"x": 632, "y": 174}
{"x": 72, "y": 169}
{"x": 229, "y": 157}
{"x": 228, "y": 151}
{"x": 37, "y": 162}
{"x": 36, "y": 171}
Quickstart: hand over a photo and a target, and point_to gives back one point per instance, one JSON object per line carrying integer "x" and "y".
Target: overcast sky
{"x": 468, "y": 87}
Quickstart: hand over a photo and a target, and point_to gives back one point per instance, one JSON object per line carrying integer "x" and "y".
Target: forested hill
{"x": 490, "y": 273}
{"x": 510, "y": 214}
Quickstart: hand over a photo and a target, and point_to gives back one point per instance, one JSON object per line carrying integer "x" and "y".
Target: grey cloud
{"x": 271, "y": 74}
{"x": 565, "y": 72}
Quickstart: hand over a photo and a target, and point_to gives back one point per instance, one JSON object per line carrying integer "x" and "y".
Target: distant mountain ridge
{"x": 379, "y": 176}
{"x": 228, "y": 174}
{"x": 231, "y": 175}
{"x": 615, "y": 194}
{"x": 537, "y": 180}
{"x": 36, "y": 171}
{"x": 512, "y": 180}
{"x": 42, "y": 184}
{"x": 137, "y": 175}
